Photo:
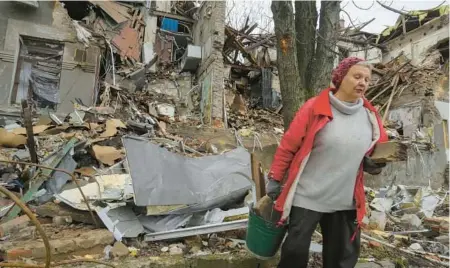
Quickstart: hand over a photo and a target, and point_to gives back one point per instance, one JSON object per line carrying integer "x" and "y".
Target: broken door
{"x": 38, "y": 72}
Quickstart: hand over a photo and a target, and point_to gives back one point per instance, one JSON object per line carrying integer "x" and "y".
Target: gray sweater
{"x": 328, "y": 180}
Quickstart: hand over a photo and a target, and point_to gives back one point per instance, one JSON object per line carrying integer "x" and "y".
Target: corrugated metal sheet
{"x": 128, "y": 43}
{"x": 169, "y": 25}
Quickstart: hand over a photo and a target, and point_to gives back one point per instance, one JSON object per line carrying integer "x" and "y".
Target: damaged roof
{"x": 413, "y": 20}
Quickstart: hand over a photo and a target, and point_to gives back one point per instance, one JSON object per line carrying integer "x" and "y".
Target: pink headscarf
{"x": 342, "y": 69}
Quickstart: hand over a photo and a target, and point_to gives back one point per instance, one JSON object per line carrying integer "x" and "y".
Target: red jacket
{"x": 296, "y": 145}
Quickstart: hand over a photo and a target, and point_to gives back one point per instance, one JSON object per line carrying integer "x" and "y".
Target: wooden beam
{"x": 171, "y": 16}
{"x": 27, "y": 118}
{"x": 257, "y": 178}
{"x": 403, "y": 24}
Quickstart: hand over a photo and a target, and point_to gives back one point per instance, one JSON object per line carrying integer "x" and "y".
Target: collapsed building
{"x": 416, "y": 50}
{"x": 147, "y": 106}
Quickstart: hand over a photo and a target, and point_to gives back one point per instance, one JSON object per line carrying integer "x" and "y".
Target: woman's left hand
{"x": 371, "y": 167}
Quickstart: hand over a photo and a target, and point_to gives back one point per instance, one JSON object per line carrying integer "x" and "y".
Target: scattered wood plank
{"x": 394, "y": 90}
{"x": 117, "y": 12}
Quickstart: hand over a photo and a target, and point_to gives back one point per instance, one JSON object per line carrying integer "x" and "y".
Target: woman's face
{"x": 355, "y": 82}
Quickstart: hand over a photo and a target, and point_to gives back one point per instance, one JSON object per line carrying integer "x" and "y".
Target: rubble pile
{"x": 253, "y": 85}
{"x": 402, "y": 81}
{"x": 415, "y": 220}
{"x": 122, "y": 165}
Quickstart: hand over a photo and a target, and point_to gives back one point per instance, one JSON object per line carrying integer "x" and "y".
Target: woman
{"x": 325, "y": 150}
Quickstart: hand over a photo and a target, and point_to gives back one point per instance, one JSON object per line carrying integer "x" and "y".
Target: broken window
{"x": 38, "y": 72}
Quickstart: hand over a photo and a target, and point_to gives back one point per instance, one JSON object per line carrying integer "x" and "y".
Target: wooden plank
{"x": 113, "y": 10}
{"x": 27, "y": 119}
{"x": 391, "y": 151}
{"x": 171, "y": 16}
{"x": 257, "y": 178}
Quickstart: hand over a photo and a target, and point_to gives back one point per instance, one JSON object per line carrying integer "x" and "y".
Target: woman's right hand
{"x": 273, "y": 189}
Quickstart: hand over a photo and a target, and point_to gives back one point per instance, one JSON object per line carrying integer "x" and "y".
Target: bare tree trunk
{"x": 290, "y": 81}
{"x": 324, "y": 56}
{"x": 305, "y": 27}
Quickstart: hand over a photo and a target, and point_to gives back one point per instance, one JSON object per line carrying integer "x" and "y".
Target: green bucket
{"x": 263, "y": 237}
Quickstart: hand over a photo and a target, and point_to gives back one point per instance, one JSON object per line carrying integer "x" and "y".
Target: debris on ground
{"x": 126, "y": 175}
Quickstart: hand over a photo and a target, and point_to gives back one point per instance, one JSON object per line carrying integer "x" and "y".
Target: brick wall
{"x": 209, "y": 33}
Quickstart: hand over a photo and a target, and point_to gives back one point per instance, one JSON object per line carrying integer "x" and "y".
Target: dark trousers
{"x": 337, "y": 230}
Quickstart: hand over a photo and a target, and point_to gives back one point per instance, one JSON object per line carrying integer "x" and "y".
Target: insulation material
{"x": 162, "y": 178}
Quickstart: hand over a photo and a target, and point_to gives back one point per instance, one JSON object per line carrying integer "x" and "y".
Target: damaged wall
{"x": 420, "y": 169}
{"x": 79, "y": 68}
{"x": 209, "y": 33}
{"x": 416, "y": 43}
{"x": 19, "y": 11}
{"x": 370, "y": 54}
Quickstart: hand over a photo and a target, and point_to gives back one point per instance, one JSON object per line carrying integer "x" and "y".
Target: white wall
{"x": 417, "y": 42}
{"x": 443, "y": 108}
{"x": 372, "y": 54}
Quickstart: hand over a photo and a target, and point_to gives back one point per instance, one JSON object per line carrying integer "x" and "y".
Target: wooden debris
{"x": 117, "y": 12}
{"x": 391, "y": 151}
{"x": 437, "y": 224}
{"x": 11, "y": 140}
{"x": 111, "y": 128}
{"x": 239, "y": 105}
{"x": 257, "y": 177}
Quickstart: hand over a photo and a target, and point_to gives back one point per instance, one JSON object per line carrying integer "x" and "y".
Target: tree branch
{"x": 393, "y": 9}
{"x": 364, "y": 24}
{"x": 350, "y": 18}
{"x": 363, "y": 8}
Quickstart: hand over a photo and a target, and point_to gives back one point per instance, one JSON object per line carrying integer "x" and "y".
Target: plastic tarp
{"x": 163, "y": 178}
{"x": 55, "y": 184}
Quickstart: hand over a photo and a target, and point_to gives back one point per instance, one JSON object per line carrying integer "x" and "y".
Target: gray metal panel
{"x": 162, "y": 178}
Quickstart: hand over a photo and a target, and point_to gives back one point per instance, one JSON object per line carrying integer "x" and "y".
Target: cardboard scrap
{"x": 111, "y": 128}
{"x": 11, "y": 140}
{"x": 56, "y": 130}
{"x": 36, "y": 130}
{"x": 107, "y": 154}
{"x": 86, "y": 170}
